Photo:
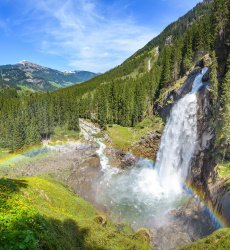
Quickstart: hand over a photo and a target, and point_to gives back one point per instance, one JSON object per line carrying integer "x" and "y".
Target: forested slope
{"x": 127, "y": 94}
{"x": 33, "y": 77}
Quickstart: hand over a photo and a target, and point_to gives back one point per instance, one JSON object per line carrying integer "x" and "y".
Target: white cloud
{"x": 84, "y": 33}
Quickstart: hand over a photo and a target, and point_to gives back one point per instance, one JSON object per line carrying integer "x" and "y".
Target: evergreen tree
{"x": 225, "y": 114}
{"x": 188, "y": 53}
{"x": 221, "y": 17}
{"x": 32, "y": 134}
{"x": 73, "y": 119}
{"x": 214, "y": 80}
{"x": 18, "y": 136}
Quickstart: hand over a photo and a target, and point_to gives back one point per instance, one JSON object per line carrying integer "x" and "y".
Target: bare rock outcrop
{"x": 148, "y": 146}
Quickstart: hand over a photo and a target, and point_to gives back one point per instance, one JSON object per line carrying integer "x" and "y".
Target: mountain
{"x": 141, "y": 91}
{"x": 27, "y": 75}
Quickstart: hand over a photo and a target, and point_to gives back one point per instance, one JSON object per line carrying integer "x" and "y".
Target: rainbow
{"x": 218, "y": 220}
{"x": 11, "y": 158}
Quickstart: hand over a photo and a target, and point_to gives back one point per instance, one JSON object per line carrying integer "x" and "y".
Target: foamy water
{"x": 144, "y": 194}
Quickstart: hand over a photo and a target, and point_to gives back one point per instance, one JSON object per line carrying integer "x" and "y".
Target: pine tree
{"x": 32, "y": 134}
{"x": 220, "y": 17}
{"x": 18, "y": 137}
{"x": 225, "y": 114}
{"x": 166, "y": 66}
{"x": 214, "y": 80}
{"x": 188, "y": 53}
{"x": 73, "y": 119}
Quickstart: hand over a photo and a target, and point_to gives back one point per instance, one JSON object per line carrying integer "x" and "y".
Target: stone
{"x": 143, "y": 233}
{"x": 101, "y": 219}
{"x": 92, "y": 161}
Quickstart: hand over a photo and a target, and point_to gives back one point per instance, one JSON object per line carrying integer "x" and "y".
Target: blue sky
{"x": 93, "y": 35}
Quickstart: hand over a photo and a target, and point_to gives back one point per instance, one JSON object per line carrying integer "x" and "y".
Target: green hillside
{"x": 42, "y": 214}
{"x": 30, "y": 76}
{"x": 132, "y": 91}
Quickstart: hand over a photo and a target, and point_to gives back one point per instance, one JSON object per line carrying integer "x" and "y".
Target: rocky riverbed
{"x": 87, "y": 168}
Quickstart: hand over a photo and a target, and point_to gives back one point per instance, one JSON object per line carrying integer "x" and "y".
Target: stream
{"x": 152, "y": 195}
{"x": 146, "y": 194}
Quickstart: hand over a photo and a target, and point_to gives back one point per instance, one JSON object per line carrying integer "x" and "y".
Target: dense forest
{"x": 126, "y": 94}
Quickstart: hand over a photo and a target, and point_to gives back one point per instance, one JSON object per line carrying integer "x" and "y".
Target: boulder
{"x": 93, "y": 161}
{"x": 205, "y": 61}
{"x": 101, "y": 219}
{"x": 143, "y": 234}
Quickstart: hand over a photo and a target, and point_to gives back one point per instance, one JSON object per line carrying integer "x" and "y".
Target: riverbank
{"x": 124, "y": 193}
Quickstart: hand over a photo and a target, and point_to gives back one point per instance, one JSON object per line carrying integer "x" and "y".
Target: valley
{"x": 28, "y": 76}
{"x": 136, "y": 158}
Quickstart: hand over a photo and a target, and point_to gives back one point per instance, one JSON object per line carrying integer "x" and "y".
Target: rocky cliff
{"x": 203, "y": 175}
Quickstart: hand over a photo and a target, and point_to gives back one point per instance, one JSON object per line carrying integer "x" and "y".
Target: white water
{"x": 179, "y": 141}
{"x": 144, "y": 195}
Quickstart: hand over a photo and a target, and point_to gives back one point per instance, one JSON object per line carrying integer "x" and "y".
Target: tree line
{"x": 126, "y": 94}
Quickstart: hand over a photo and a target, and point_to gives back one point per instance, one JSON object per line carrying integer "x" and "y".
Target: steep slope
{"x": 143, "y": 60}
{"x": 134, "y": 90}
{"x": 43, "y": 214}
{"x": 27, "y": 75}
{"x": 218, "y": 240}
{"x": 126, "y": 94}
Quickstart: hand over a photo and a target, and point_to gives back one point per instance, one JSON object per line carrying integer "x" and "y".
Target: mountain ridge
{"x": 31, "y": 76}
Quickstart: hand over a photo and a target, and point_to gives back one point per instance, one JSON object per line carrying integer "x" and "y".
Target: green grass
{"x": 63, "y": 134}
{"x": 219, "y": 240}
{"x": 3, "y": 153}
{"x": 38, "y": 213}
{"x": 223, "y": 170}
{"x": 124, "y": 137}
{"x": 55, "y": 84}
{"x": 25, "y": 88}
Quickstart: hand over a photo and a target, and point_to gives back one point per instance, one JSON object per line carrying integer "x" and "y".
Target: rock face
{"x": 148, "y": 146}
{"x": 220, "y": 198}
{"x": 175, "y": 95}
{"x": 186, "y": 224}
{"x": 202, "y": 165}
{"x": 202, "y": 173}
{"x": 83, "y": 176}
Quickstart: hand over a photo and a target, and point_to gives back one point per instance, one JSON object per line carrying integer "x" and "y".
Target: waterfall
{"x": 179, "y": 140}
{"x": 144, "y": 195}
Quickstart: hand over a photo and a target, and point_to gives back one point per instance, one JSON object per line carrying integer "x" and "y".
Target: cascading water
{"x": 178, "y": 141}
{"x": 143, "y": 195}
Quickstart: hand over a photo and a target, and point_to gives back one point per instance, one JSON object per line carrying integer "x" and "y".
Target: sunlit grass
{"x": 124, "y": 137}
{"x": 41, "y": 213}
{"x": 62, "y": 134}
{"x": 219, "y": 240}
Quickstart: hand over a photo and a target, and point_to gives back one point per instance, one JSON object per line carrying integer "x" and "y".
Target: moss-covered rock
{"x": 219, "y": 240}
{"x": 143, "y": 234}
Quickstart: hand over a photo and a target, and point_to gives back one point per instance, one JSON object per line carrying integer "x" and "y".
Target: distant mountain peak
{"x": 25, "y": 62}
{"x": 29, "y": 75}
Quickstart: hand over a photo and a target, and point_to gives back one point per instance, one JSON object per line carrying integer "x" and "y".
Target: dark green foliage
{"x": 126, "y": 94}
{"x": 213, "y": 79}
{"x": 25, "y": 121}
